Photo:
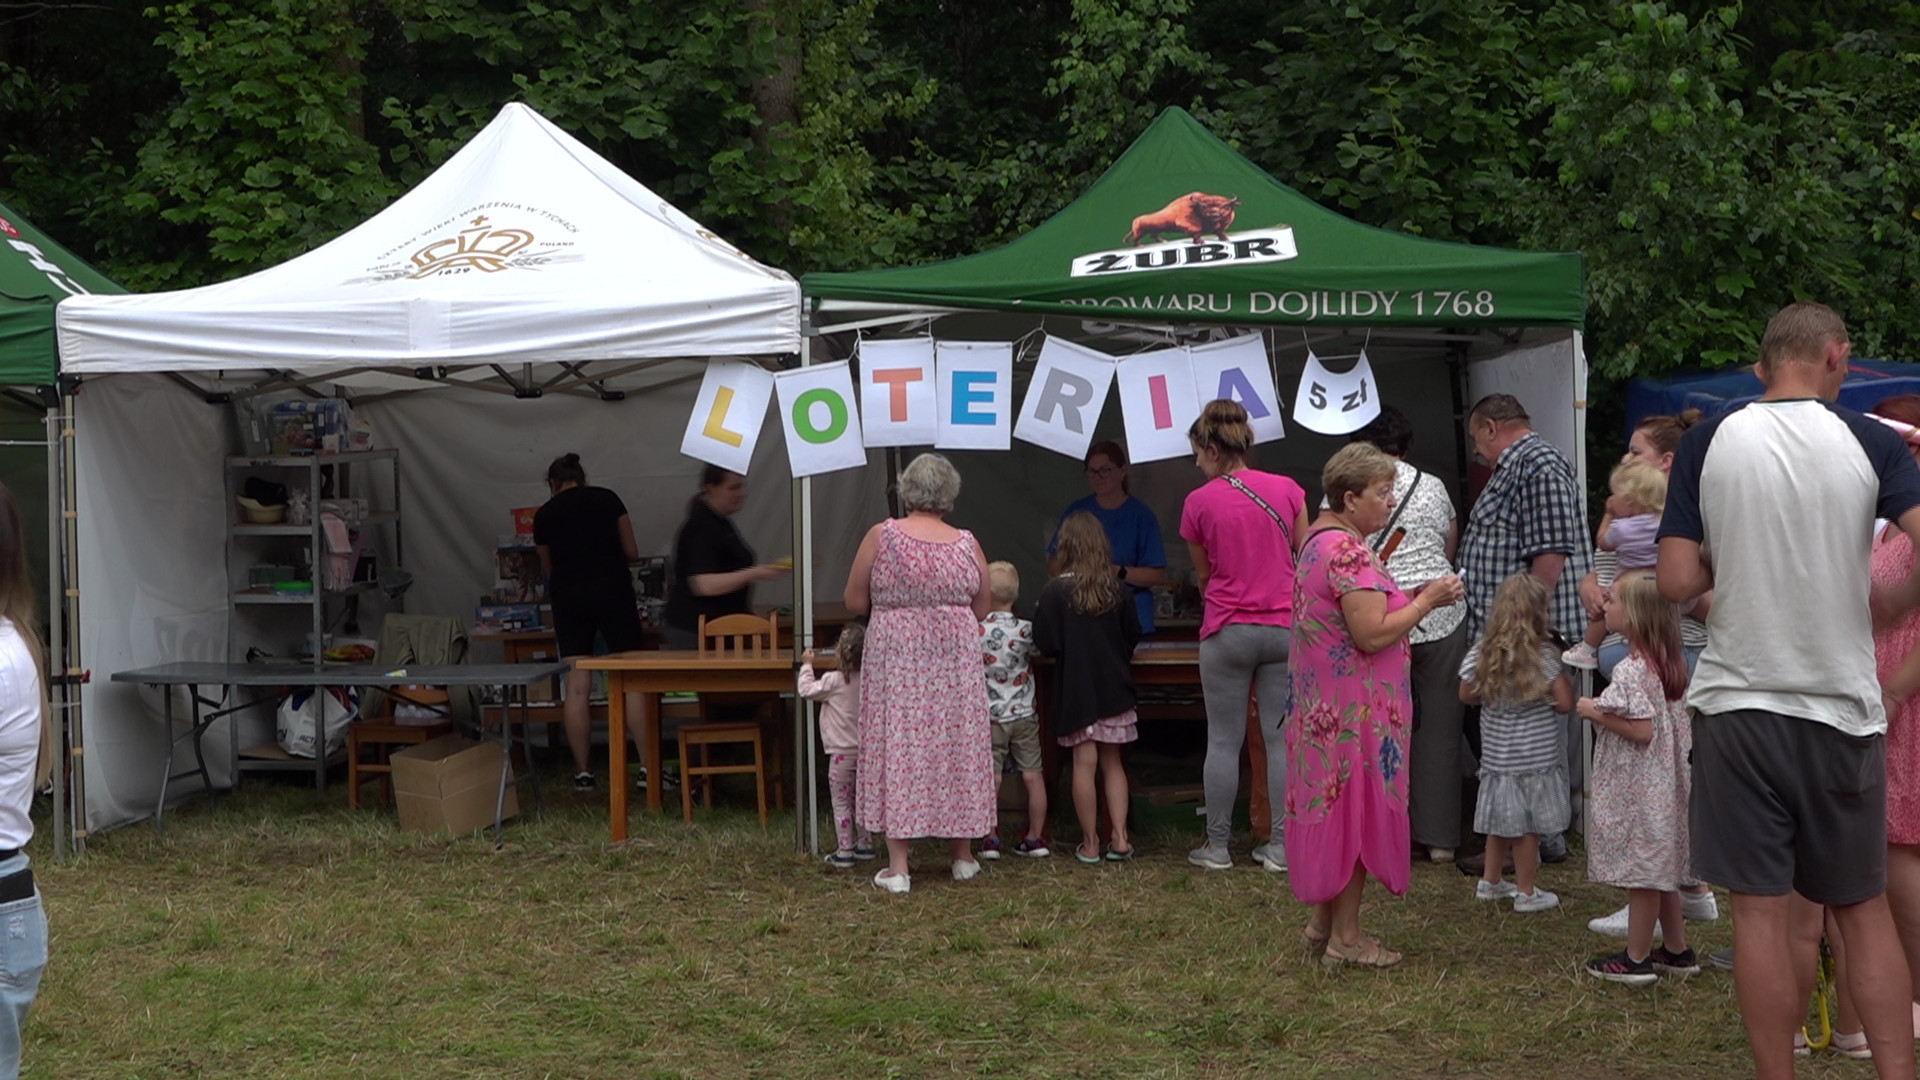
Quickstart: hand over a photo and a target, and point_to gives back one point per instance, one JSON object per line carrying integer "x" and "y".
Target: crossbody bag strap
{"x": 1243, "y": 489}
{"x": 1387, "y": 533}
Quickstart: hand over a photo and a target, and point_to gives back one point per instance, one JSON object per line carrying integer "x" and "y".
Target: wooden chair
{"x": 741, "y": 636}
{"x": 384, "y": 732}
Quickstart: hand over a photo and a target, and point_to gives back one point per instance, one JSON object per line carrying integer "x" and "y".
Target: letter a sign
{"x": 727, "y": 415}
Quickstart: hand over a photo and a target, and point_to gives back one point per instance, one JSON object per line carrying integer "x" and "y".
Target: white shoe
{"x": 1537, "y": 900}
{"x": 1272, "y": 856}
{"x": 1486, "y": 890}
{"x": 1699, "y": 907}
{"x": 895, "y": 883}
{"x": 1615, "y": 925}
{"x": 965, "y": 870}
{"x": 1581, "y": 656}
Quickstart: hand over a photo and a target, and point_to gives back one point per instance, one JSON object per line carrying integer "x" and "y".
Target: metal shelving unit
{"x": 250, "y": 544}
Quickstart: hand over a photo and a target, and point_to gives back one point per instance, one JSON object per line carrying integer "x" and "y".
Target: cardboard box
{"x": 449, "y": 783}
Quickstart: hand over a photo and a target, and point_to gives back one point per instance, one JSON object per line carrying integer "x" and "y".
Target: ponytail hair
{"x": 566, "y": 470}
{"x": 1222, "y": 426}
{"x": 1114, "y": 452}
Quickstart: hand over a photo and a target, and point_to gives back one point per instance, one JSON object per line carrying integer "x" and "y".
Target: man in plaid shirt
{"x": 1528, "y": 517}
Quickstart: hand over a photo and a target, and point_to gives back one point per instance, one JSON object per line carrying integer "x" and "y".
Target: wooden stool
{"x": 385, "y": 733}
{"x": 748, "y": 733}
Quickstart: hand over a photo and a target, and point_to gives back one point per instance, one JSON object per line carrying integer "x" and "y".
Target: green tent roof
{"x": 1184, "y": 229}
{"x": 35, "y": 274}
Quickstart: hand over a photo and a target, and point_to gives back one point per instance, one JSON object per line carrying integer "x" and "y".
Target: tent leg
{"x": 63, "y": 640}
{"x": 806, "y": 811}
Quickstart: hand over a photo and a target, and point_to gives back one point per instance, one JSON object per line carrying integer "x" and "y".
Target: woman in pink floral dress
{"x": 926, "y": 744}
{"x": 1350, "y": 711}
{"x": 1897, "y": 652}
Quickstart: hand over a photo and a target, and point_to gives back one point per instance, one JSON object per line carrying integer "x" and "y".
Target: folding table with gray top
{"x": 514, "y": 681}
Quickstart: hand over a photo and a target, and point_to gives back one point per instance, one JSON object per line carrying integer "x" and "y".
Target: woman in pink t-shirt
{"x": 1242, "y": 527}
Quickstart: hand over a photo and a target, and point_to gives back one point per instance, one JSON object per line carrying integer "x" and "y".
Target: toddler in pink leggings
{"x": 838, "y": 692}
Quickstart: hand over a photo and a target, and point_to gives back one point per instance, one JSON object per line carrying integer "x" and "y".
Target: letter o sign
{"x": 803, "y": 414}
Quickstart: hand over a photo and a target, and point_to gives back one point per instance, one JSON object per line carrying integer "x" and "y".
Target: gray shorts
{"x": 1022, "y": 737}
{"x": 1783, "y": 804}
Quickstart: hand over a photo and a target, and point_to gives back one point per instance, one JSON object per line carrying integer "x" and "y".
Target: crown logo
{"x": 478, "y": 248}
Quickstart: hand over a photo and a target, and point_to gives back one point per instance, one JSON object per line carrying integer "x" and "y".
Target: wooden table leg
{"x": 1259, "y": 813}
{"x": 617, "y": 755}
{"x": 650, "y": 749}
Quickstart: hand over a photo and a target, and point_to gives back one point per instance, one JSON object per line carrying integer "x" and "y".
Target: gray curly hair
{"x": 929, "y": 482}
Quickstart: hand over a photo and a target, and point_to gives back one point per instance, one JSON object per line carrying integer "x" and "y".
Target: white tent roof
{"x": 524, "y": 247}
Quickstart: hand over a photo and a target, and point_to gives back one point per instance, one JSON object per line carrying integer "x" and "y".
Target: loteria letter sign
{"x": 958, "y": 395}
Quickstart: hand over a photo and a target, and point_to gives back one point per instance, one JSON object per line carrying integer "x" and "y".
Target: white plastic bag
{"x": 295, "y": 723}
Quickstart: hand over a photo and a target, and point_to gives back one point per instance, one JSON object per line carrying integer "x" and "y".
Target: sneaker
{"x": 1721, "y": 958}
{"x": 1853, "y": 1046}
{"x": 894, "y": 883}
{"x": 583, "y": 781}
{"x": 1581, "y": 656}
{"x": 1615, "y": 925}
{"x": 1493, "y": 890}
{"x": 840, "y": 860}
{"x": 965, "y": 870}
{"x": 990, "y": 846}
{"x": 1271, "y": 855}
{"x": 1031, "y": 847}
{"x": 865, "y": 852}
{"x": 1622, "y": 968}
{"x": 1683, "y": 964}
{"x": 1699, "y": 907}
{"x": 1537, "y": 900}
{"x": 1800, "y": 1047}
{"x": 1208, "y": 857}
{"x": 1440, "y": 855}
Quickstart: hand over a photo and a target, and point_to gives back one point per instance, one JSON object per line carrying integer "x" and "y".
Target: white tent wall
{"x": 151, "y": 507}
{"x": 467, "y": 458}
{"x": 152, "y": 504}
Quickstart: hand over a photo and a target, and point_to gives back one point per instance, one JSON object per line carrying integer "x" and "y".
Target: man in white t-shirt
{"x": 1770, "y": 505}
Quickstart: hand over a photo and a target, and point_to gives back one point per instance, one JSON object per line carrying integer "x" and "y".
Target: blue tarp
{"x": 1869, "y": 382}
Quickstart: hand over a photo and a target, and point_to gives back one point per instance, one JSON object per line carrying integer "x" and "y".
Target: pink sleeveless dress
{"x": 1892, "y": 563}
{"x": 926, "y": 744}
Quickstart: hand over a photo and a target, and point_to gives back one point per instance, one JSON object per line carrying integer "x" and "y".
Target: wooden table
{"x": 651, "y": 674}
{"x": 1167, "y": 663}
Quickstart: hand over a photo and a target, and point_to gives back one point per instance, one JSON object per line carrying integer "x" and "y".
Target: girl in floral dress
{"x": 1637, "y": 832}
{"x": 1347, "y": 725}
{"x": 1515, "y": 675}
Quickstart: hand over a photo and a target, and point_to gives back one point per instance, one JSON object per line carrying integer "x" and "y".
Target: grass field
{"x": 279, "y": 934}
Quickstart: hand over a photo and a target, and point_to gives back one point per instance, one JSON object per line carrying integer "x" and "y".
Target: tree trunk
{"x": 776, "y": 97}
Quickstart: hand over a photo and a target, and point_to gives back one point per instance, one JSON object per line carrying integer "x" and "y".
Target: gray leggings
{"x": 1235, "y": 660}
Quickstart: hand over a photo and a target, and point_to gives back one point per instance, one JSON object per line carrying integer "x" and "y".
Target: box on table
{"x": 449, "y": 783}
{"x": 506, "y": 617}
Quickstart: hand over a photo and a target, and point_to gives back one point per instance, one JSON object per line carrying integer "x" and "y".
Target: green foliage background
{"x": 1712, "y": 160}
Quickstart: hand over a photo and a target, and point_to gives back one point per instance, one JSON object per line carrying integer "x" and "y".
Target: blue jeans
{"x": 23, "y": 956}
{"x": 1613, "y": 654}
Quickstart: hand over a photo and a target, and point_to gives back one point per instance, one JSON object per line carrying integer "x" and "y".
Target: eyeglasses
{"x": 1103, "y": 471}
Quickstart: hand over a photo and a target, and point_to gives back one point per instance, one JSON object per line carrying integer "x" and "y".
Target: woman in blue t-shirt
{"x": 1140, "y": 559}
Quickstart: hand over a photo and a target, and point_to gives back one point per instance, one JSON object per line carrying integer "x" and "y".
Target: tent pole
{"x": 806, "y": 834}
{"x": 63, "y": 606}
{"x": 1580, "y": 473}
{"x": 56, "y": 633}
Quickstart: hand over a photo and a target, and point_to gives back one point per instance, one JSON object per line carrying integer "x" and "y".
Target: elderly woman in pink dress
{"x": 1351, "y": 709}
{"x": 926, "y": 744}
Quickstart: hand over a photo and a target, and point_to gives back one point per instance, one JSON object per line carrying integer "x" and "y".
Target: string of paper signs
{"x": 958, "y": 395}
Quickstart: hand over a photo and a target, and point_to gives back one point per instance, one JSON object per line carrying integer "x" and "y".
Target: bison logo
{"x": 1193, "y": 215}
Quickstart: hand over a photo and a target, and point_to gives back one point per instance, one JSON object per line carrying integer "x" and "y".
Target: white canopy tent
{"x": 527, "y": 266}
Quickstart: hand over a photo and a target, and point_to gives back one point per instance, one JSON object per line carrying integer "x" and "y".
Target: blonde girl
{"x": 1086, "y": 621}
{"x": 1514, "y": 674}
{"x": 1637, "y": 827}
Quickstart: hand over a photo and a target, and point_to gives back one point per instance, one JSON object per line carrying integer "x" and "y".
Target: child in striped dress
{"x": 1514, "y": 674}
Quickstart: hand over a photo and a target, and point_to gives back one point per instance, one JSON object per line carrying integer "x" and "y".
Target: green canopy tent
{"x": 1183, "y": 228}
{"x": 36, "y": 273}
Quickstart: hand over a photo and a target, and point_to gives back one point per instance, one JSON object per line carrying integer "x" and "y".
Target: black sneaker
{"x": 1680, "y": 965}
{"x": 583, "y": 781}
{"x": 1622, "y": 968}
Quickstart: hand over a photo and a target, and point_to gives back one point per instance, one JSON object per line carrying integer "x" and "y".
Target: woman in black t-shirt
{"x": 713, "y": 568}
{"x": 586, "y": 541}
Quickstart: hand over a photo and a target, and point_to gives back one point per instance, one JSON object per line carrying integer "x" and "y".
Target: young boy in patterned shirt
{"x": 1006, "y": 643}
